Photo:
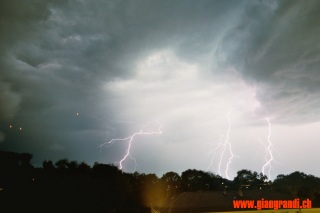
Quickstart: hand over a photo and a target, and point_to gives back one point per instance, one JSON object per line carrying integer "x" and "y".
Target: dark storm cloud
{"x": 61, "y": 53}
{"x": 275, "y": 45}
{"x": 21, "y": 20}
{"x": 18, "y": 22}
{"x": 78, "y": 45}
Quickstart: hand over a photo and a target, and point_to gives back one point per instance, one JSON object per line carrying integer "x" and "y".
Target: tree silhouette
{"x": 197, "y": 180}
{"x": 48, "y": 165}
{"x": 62, "y": 164}
{"x": 172, "y": 183}
{"x": 299, "y": 185}
{"x": 70, "y": 186}
{"x": 247, "y": 179}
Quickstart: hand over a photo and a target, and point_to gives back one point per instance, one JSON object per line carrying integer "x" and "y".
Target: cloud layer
{"x": 75, "y": 74}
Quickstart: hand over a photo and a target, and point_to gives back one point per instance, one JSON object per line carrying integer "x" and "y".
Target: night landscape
{"x": 158, "y": 106}
{"x": 69, "y": 186}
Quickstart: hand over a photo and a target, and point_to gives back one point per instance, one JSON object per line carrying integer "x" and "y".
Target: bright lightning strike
{"x": 130, "y": 142}
{"x": 214, "y": 151}
{"x": 226, "y": 147}
{"x": 269, "y": 156}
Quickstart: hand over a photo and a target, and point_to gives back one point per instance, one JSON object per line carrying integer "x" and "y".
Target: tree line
{"x": 71, "y": 186}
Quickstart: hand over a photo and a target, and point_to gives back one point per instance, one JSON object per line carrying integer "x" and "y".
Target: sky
{"x": 217, "y": 86}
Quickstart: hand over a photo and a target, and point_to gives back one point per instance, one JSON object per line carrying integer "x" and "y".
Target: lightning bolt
{"x": 213, "y": 153}
{"x": 130, "y": 141}
{"x": 269, "y": 156}
{"x": 226, "y": 147}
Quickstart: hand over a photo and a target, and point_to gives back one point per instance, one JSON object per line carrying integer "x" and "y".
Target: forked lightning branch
{"x": 129, "y": 140}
